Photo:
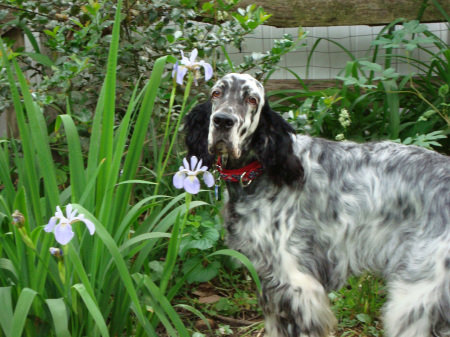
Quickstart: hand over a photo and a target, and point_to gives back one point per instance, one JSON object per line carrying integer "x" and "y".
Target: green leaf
{"x": 209, "y": 237}
{"x": 171, "y": 256}
{"x": 390, "y": 73}
{"x": 104, "y": 185}
{"x": 143, "y": 237}
{"x": 200, "y": 273}
{"x": 21, "y": 311}
{"x": 364, "y": 318}
{"x": 195, "y": 312}
{"x": 6, "y": 264}
{"x": 371, "y": 66}
{"x": 207, "y": 6}
{"x": 443, "y": 90}
{"x": 137, "y": 182}
{"x": 76, "y": 164}
{"x": 59, "y": 314}
{"x": 414, "y": 26}
{"x": 93, "y": 309}
{"x": 40, "y": 58}
{"x": 6, "y": 314}
{"x": 245, "y": 261}
{"x": 29, "y": 34}
{"x": 157, "y": 268}
{"x": 392, "y": 108}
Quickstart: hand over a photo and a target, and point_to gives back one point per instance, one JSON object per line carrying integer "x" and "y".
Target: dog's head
{"x": 237, "y": 121}
{"x": 237, "y": 101}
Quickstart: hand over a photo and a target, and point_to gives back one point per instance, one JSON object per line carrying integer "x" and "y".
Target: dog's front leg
{"x": 297, "y": 308}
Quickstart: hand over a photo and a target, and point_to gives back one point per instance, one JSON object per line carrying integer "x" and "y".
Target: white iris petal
{"x": 61, "y": 226}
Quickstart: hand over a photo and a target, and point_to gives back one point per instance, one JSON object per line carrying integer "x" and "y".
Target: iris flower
{"x": 186, "y": 177}
{"x": 180, "y": 70}
{"x": 63, "y": 229}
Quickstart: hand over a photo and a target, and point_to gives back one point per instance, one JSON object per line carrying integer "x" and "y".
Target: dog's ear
{"x": 196, "y": 128}
{"x": 273, "y": 141}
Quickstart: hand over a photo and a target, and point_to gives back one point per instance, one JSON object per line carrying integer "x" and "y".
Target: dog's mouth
{"x": 223, "y": 147}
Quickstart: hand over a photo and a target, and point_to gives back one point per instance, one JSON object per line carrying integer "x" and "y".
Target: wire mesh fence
{"x": 331, "y": 53}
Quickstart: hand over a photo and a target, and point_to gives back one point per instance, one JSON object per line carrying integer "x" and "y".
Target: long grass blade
{"x": 5, "y": 176}
{"x": 195, "y": 312}
{"x": 171, "y": 256}
{"x": 140, "y": 238}
{"x": 94, "y": 163}
{"x": 59, "y": 314}
{"x": 93, "y": 309}
{"x": 106, "y": 138}
{"x": 77, "y": 178}
{"x": 392, "y": 105}
{"x": 245, "y": 261}
{"x": 6, "y": 314}
{"x": 78, "y": 265}
{"x": 7, "y": 265}
{"x": 21, "y": 311}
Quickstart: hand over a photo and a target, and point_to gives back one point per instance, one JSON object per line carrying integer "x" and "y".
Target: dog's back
{"x": 383, "y": 207}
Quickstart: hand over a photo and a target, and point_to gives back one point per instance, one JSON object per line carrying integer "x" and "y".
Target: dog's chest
{"x": 258, "y": 231}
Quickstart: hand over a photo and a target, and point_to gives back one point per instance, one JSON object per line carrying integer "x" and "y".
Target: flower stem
{"x": 177, "y": 127}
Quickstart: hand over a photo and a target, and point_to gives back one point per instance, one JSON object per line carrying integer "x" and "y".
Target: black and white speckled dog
{"x": 321, "y": 211}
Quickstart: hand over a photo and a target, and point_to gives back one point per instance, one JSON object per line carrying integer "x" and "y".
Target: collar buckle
{"x": 241, "y": 181}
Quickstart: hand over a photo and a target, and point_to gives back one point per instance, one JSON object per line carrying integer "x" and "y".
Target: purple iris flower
{"x": 180, "y": 70}
{"x": 186, "y": 177}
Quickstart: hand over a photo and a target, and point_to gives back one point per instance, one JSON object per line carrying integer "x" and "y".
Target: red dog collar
{"x": 245, "y": 174}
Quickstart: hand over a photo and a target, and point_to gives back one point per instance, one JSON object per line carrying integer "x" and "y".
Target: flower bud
{"x": 18, "y": 218}
{"x": 56, "y": 252}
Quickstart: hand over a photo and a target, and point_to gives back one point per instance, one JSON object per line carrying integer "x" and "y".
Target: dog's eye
{"x": 252, "y": 100}
{"x": 216, "y": 94}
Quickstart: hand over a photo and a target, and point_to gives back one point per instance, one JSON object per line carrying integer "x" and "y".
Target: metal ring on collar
{"x": 241, "y": 181}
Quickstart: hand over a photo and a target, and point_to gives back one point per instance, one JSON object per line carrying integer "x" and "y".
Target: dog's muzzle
{"x": 223, "y": 135}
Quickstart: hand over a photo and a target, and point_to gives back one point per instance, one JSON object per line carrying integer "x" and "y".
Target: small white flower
{"x": 62, "y": 225}
{"x": 186, "y": 177}
{"x": 344, "y": 118}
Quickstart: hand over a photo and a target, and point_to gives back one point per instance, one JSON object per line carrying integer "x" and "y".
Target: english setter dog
{"x": 309, "y": 213}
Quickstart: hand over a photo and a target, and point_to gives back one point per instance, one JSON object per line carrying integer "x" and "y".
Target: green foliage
{"x": 380, "y": 103}
{"x": 81, "y": 284}
{"x": 359, "y": 304}
{"x": 114, "y": 282}
{"x": 77, "y": 37}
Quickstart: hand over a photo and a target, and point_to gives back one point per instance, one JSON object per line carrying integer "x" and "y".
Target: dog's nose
{"x": 223, "y": 121}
